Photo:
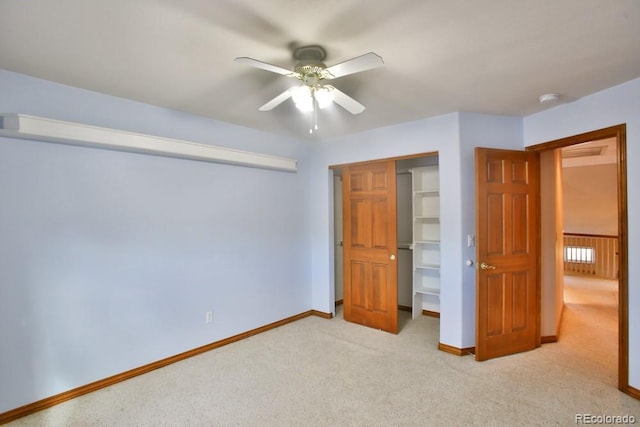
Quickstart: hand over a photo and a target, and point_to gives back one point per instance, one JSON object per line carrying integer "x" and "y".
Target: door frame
{"x": 619, "y": 132}
{"x": 336, "y": 170}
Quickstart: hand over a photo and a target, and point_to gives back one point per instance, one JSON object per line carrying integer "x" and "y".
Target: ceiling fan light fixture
{"x": 303, "y": 98}
{"x": 313, "y": 95}
{"x": 325, "y": 96}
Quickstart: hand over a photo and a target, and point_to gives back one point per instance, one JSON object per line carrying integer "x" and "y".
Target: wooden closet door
{"x": 370, "y": 245}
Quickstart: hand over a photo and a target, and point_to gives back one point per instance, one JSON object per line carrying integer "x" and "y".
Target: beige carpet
{"x": 318, "y": 372}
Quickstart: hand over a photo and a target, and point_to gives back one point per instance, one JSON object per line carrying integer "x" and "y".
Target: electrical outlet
{"x": 209, "y": 317}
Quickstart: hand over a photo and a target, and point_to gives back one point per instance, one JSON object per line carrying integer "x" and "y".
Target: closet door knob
{"x": 392, "y": 257}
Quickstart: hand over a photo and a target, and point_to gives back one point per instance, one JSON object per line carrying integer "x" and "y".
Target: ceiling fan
{"x": 312, "y": 72}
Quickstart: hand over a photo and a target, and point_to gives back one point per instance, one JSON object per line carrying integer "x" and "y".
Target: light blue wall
{"x": 109, "y": 260}
{"x": 478, "y": 130}
{"x": 616, "y": 105}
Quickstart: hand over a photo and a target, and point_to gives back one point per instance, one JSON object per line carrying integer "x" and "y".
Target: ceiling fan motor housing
{"x": 310, "y": 66}
{"x": 311, "y": 72}
{"x": 310, "y": 53}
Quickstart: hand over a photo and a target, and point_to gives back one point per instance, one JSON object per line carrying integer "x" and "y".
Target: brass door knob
{"x": 485, "y": 266}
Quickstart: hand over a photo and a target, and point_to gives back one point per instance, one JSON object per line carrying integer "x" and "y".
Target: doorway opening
{"x": 578, "y": 254}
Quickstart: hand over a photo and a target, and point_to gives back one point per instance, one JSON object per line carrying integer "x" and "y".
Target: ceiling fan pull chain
{"x": 313, "y": 118}
{"x": 315, "y": 113}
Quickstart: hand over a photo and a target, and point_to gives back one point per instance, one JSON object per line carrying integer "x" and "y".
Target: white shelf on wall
{"x": 426, "y": 239}
{"x": 49, "y": 130}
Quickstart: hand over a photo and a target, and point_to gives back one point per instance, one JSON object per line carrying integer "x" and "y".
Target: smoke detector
{"x": 548, "y": 97}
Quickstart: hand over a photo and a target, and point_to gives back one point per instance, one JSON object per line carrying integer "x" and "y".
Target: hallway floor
{"x": 590, "y": 322}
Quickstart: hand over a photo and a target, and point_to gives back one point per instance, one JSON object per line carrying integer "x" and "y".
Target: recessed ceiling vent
{"x": 570, "y": 153}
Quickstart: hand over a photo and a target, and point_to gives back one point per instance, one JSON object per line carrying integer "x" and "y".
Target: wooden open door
{"x": 507, "y": 292}
{"x": 370, "y": 245}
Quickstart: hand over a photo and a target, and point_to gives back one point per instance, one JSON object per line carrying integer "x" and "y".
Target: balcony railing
{"x": 590, "y": 254}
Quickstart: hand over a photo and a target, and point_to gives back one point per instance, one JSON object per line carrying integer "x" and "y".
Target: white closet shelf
{"x": 428, "y": 266}
{"x": 428, "y": 291}
{"x": 428, "y": 242}
{"x": 426, "y": 239}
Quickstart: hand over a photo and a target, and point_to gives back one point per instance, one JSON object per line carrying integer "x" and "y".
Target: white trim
{"x": 49, "y": 130}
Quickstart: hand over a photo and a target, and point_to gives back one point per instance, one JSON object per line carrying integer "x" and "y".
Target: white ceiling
{"x": 441, "y": 56}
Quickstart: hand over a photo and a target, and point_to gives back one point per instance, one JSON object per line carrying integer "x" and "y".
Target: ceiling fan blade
{"x": 276, "y": 101}
{"x": 347, "y": 102}
{"x": 265, "y": 66}
{"x": 355, "y": 65}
